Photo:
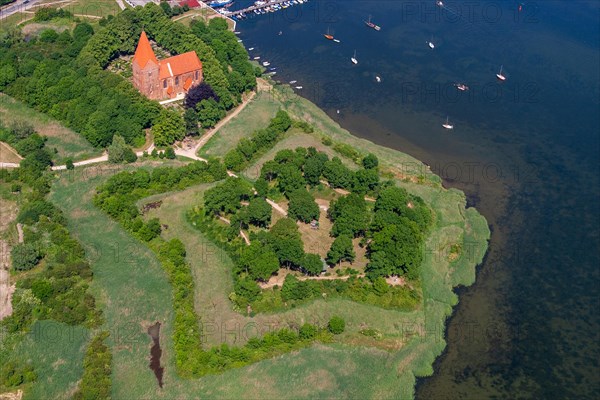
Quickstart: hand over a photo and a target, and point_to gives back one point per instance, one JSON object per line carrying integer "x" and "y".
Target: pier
{"x": 262, "y": 6}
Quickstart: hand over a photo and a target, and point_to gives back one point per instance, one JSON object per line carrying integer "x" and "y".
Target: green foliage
{"x": 48, "y": 36}
{"x": 14, "y": 374}
{"x": 314, "y": 167}
{"x": 190, "y": 119}
{"x": 262, "y": 187}
{"x": 118, "y": 195}
{"x": 295, "y": 289}
{"x": 226, "y": 197}
{"x": 49, "y": 13}
{"x": 119, "y": 152}
{"x": 170, "y": 153}
{"x": 248, "y": 150}
{"x": 258, "y": 261}
{"x": 302, "y": 206}
{"x": 259, "y": 212}
{"x": 337, "y": 174}
{"x": 349, "y": 215}
{"x": 168, "y": 127}
{"x": 396, "y": 249}
{"x": 210, "y": 112}
{"x": 247, "y": 289}
{"x": 312, "y": 264}
{"x": 96, "y": 382}
{"x": 286, "y": 241}
{"x": 370, "y": 161}
{"x": 25, "y": 256}
{"x": 336, "y": 325}
{"x": 341, "y": 249}
{"x": 69, "y": 164}
{"x": 308, "y": 331}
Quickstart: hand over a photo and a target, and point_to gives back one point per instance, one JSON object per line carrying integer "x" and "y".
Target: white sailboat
{"x": 500, "y": 75}
{"x": 378, "y": 78}
{"x": 448, "y": 125}
{"x": 353, "y": 59}
{"x": 430, "y": 44}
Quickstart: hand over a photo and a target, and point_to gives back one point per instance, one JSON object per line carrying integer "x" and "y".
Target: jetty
{"x": 264, "y": 7}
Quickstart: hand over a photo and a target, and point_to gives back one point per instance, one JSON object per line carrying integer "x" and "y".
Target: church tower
{"x": 145, "y": 68}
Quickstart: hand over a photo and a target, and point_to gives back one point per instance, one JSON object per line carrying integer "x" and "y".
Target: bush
{"x": 70, "y": 164}
{"x": 308, "y": 331}
{"x": 336, "y": 325}
{"x": 25, "y": 256}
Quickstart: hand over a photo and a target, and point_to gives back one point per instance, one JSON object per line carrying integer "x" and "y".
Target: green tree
{"x": 247, "y": 288}
{"x": 337, "y": 174}
{"x": 349, "y": 214}
{"x": 209, "y": 113}
{"x": 190, "y": 118}
{"x": 287, "y": 242}
{"x": 308, "y": 331}
{"x": 168, "y": 128}
{"x": 260, "y": 262}
{"x": 302, "y": 206}
{"x": 25, "y": 256}
{"x": 69, "y": 164}
{"x": 342, "y": 249}
{"x": 117, "y": 150}
{"x": 259, "y": 212}
{"x": 370, "y": 161}
{"x": 289, "y": 178}
{"x": 48, "y": 36}
{"x": 262, "y": 187}
{"x": 312, "y": 264}
{"x": 313, "y": 168}
{"x": 396, "y": 249}
{"x": 365, "y": 180}
{"x": 170, "y": 153}
{"x": 226, "y": 197}
{"x": 336, "y": 325}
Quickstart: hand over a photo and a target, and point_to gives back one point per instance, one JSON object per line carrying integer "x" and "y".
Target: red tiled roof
{"x": 180, "y": 64}
{"x": 170, "y": 90}
{"x": 190, "y": 3}
{"x": 144, "y": 52}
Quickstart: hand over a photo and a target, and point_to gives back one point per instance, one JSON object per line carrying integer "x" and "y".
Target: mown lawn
{"x": 67, "y": 142}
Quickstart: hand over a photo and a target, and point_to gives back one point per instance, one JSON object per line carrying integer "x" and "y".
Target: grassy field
{"x": 98, "y": 8}
{"x": 67, "y": 142}
{"x": 56, "y": 350}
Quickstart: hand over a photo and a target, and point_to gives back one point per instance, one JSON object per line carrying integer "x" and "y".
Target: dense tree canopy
{"x": 227, "y": 196}
{"x": 341, "y": 249}
{"x": 302, "y": 206}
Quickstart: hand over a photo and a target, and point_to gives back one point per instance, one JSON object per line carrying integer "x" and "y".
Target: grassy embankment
{"x": 133, "y": 292}
{"x": 64, "y": 140}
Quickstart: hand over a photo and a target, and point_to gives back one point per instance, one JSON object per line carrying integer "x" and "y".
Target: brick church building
{"x": 164, "y": 79}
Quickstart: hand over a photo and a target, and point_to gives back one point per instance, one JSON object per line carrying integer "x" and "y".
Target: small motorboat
{"x": 378, "y": 79}
{"x": 448, "y": 125}
{"x": 266, "y": 64}
{"x": 353, "y": 59}
{"x": 461, "y": 86}
{"x": 292, "y": 82}
{"x": 299, "y": 87}
{"x": 500, "y": 75}
{"x": 251, "y": 48}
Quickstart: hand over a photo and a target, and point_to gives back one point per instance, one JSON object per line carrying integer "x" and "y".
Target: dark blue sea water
{"x": 525, "y": 151}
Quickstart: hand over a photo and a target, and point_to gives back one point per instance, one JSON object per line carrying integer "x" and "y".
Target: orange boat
{"x": 327, "y": 35}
